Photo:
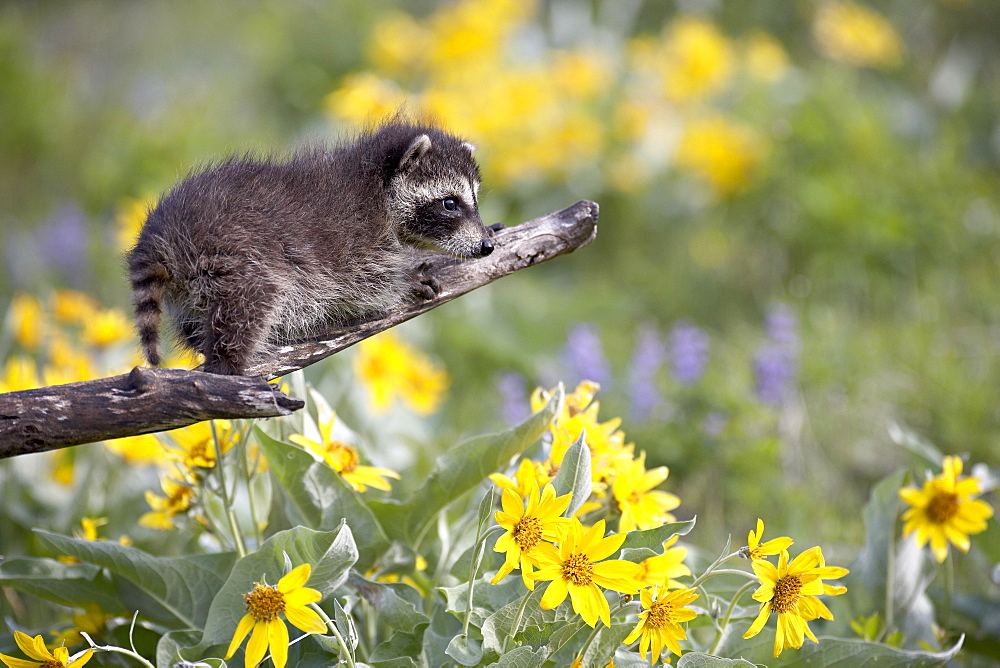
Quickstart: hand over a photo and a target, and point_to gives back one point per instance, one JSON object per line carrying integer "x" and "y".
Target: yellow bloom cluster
{"x": 548, "y": 114}
{"x": 344, "y": 459}
{"x": 390, "y": 368}
{"x": 856, "y": 34}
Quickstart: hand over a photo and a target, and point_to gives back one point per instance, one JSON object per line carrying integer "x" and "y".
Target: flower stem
{"x": 112, "y": 648}
{"x": 722, "y": 571}
{"x": 477, "y": 556}
{"x": 330, "y": 624}
{"x": 593, "y": 634}
{"x": 715, "y": 564}
{"x": 241, "y": 548}
{"x": 890, "y": 586}
{"x": 729, "y": 612}
{"x": 517, "y": 620}
{"x": 949, "y": 590}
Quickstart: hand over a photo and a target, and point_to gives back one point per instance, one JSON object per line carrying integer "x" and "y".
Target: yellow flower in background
{"x": 106, "y": 327}
{"x": 72, "y": 307}
{"x": 755, "y": 550}
{"x": 398, "y": 44}
{"x": 720, "y": 151}
{"x": 42, "y": 657}
{"x": 91, "y": 621}
{"x": 659, "y": 622}
{"x": 390, "y": 368}
{"x": 790, "y": 590}
{"x": 20, "y": 373}
{"x": 579, "y": 567}
{"x": 131, "y": 215}
{"x": 344, "y": 459}
{"x": 856, "y": 34}
{"x": 764, "y": 57}
{"x": 177, "y": 501}
{"x": 527, "y": 526}
{"x": 362, "y": 98}
{"x": 195, "y": 447}
{"x": 944, "y": 511}
{"x": 291, "y": 598}
{"x": 661, "y": 570}
{"x": 694, "y": 59}
{"x": 524, "y": 479}
{"x": 642, "y": 507}
{"x": 27, "y": 320}
{"x": 141, "y": 450}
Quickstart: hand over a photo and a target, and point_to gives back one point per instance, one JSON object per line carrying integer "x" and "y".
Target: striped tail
{"x": 149, "y": 278}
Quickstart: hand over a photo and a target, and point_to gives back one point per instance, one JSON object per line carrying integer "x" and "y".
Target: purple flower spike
{"x": 688, "y": 352}
{"x": 584, "y": 355}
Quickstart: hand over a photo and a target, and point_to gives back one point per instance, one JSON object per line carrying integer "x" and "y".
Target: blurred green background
{"x": 800, "y": 208}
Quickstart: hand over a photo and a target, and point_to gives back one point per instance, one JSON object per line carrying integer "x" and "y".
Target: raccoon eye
{"x": 450, "y": 204}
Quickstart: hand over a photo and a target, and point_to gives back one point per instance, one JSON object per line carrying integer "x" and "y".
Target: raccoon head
{"x": 433, "y": 196}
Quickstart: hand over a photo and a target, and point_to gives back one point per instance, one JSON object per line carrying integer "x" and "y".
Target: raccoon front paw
{"x": 424, "y": 285}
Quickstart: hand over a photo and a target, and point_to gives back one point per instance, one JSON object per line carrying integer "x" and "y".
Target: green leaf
{"x": 605, "y": 644}
{"x": 182, "y": 647}
{"x": 331, "y": 553}
{"x": 73, "y": 585}
{"x": 699, "y": 660}
{"x": 522, "y": 657}
{"x": 345, "y": 624}
{"x": 401, "y": 650}
{"x": 654, "y": 539}
{"x": 574, "y": 476}
{"x": 179, "y": 589}
{"x": 323, "y": 497}
{"x": 467, "y": 651}
{"x": 395, "y": 604}
{"x": 916, "y": 445}
{"x": 466, "y": 465}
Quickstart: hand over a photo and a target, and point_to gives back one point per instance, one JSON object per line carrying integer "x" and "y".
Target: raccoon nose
{"x": 486, "y": 248}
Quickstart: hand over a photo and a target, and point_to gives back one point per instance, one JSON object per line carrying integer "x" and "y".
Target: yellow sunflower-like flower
{"x": 944, "y": 510}
{"x": 344, "y": 459}
{"x": 176, "y": 502}
{"x": 196, "y": 444}
{"x": 389, "y": 368}
{"x": 790, "y": 591}
{"x": 658, "y": 624}
{"x": 527, "y": 474}
{"x": 755, "y": 550}
{"x": 92, "y": 622}
{"x": 527, "y": 526}
{"x": 663, "y": 568}
{"x": 579, "y": 566}
{"x": 264, "y": 603}
{"x": 35, "y": 648}
{"x": 641, "y": 506}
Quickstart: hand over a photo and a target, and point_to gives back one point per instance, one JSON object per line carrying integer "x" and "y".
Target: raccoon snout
{"x": 485, "y": 248}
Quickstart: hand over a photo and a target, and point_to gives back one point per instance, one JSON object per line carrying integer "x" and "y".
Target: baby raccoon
{"x": 253, "y": 253}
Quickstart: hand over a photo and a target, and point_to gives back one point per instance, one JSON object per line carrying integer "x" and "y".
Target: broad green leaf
{"x": 397, "y": 605}
{"x": 487, "y": 597}
{"x": 73, "y": 585}
{"x": 182, "y": 647}
{"x": 466, "y": 651}
{"x": 345, "y": 624}
{"x": 699, "y": 660}
{"x": 653, "y": 539}
{"x": 331, "y": 553}
{"x": 323, "y": 497}
{"x": 497, "y": 626}
{"x": 601, "y": 649}
{"x": 521, "y": 657}
{"x": 180, "y": 587}
{"x": 917, "y": 445}
{"x": 574, "y": 475}
{"x": 401, "y": 650}
{"x": 466, "y": 465}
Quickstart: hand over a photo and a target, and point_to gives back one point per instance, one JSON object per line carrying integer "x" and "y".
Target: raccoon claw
{"x": 495, "y": 227}
{"x": 424, "y": 286}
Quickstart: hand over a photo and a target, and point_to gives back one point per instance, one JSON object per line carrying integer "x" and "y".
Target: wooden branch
{"x": 150, "y": 400}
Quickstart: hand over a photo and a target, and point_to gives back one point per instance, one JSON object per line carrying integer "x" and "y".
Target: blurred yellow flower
{"x": 398, "y": 44}
{"x": 195, "y": 445}
{"x": 106, "y": 327}
{"x": 580, "y": 74}
{"x": 138, "y": 450}
{"x": 362, "y": 98}
{"x": 856, "y": 34}
{"x": 720, "y": 151}
{"x": 641, "y": 506}
{"x": 91, "y": 621}
{"x": 26, "y": 320}
{"x": 389, "y": 368}
{"x": 694, "y": 60}
{"x": 755, "y": 550}
{"x": 177, "y": 500}
{"x": 20, "y": 373}
{"x": 72, "y": 307}
{"x": 764, "y": 57}
{"x": 131, "y": 215}
{"x": 790, "y": 591}
{"x": 528, "y": 525}
{"x": 291, "y": 598}
{"x": 661, "y": 570}
{"x": 67, "y": 363}
{"x": 344, "y": 459}
{"x": 944, "y": 511}
{"x": 658, "y": 625}
{"x": 42, "y": 657}
{"x": 524, "y": 478}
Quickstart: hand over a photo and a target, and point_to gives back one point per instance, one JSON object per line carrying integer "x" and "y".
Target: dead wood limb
{"x": 149, "y": 400}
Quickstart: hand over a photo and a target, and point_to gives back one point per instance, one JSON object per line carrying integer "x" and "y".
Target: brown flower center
{"x": 53, "y": 663}
{"x": 942, "y": 507}
{"x": 342, "y": 457}
{"x": 527, "y": 532}
{"x": 786, "y": 594}
{"x": 660, "y": 614}
{"x": 578, "y": 569}
{"x": 264, "y": 602}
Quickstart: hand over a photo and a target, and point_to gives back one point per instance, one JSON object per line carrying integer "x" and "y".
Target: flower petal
{"x": 242, "y": 629}
{"x": 295, "y": 578}
{"x": 83, "y": 659}
{"x": 305, "y": 619}
{"x": 301, "y": 597}
{"x": 257, "y": 646}
{"x": 17, "y": 663}
{"x": 554, "y": 594}
{"x": 277, "y": 638}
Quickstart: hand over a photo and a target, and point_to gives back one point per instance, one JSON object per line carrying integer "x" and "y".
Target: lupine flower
{"x": 584, "y": 354}
{"x": 527, "y": 526}
{"x": 264, "y": 603}
{"x": 755, "y": 550}
{"x": 648, "y": 357}
{"x": 43, "y": 658}
{"x": 688, "y": 352}
{"x": 579, "y": 567}
{"x": 790, "y": 591}
{"x": 513, "y": 397}
{"x": 776, "y": 363}
{"x": 343, "y": 459}
{"x": 658, "y": 625}
{"x": 944, "y": 510}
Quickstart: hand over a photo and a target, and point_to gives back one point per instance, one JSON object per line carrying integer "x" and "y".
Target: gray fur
{"x": 252, "y": 253}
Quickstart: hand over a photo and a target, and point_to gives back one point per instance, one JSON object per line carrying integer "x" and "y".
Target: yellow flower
{"x": 579, "y": 567}
{"x": 131, "y": 215}
{"x": 21, "y": 373}
{"x": 196, "y": 443}
{"x": 790, "y": 591}
{"x": 756, "y": 550}
{"x": 658, "y": 622}
{"x": 72, "y": 307}
{"x": 856, "y": 34}
{"x": 720, "y": 151}
{"x": 524, "y": 478}
{"x": 363, "y": 97}
{"x": 106, "y": 327}
{"x": 696, "y": 60}
{"x": 389, "y": 368}
{"x": 92, "y": 622}
{"x": 35, "y": 648}
{"x": 944, "y": 510}
{"x": 27, "y": 320}
{"x": 343, "y": 459}
{"x": 138, "y": 450}
{"x": 165, "y": 508}
{"x": 641, "y": 506}
{"x": 765, "y": 58}
{"x": 527, "y": 526}
{"x": 663, "y": 568}
{"x": 264, "y": 603}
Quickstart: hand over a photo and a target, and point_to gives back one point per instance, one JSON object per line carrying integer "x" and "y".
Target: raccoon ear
{"x": 414, "y": 152}
{"x": 471, "y": 148}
